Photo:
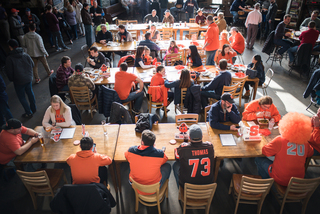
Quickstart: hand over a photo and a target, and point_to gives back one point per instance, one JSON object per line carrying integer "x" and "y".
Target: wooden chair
{"x": 206, "y": 110}
{"x": 298, "y": 190}
{"x": 193, "y": 31}
{"x": 42, "y": 183}
{"x": 239, "y": 90}
{"x": 156, "y": 105}
{"x": 150, "y": 200}
{"x": 121, "y": 22}
{"x": 132, "y": 22}
{"x": 197, "y": 196}
{"x": 81, "y": 97}
{"x": 167, "y": 33}
{"x": 192, "y": 20}
{"x": 249, "y": 189}
{"x": 187, "y": 118}
{"x": 180, "y": 106}
{"x": 172, "y": 58}
{"x": 226, "y": 89}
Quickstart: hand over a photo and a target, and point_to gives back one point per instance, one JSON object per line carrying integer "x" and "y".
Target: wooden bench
{"x": 113, "y": 11}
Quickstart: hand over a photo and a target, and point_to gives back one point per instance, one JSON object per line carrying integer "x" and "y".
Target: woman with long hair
{"x": 138, "y": 62}
{"x": 155, "y": 35}
{"x": 226, "y": 53}
{"x": 257, "y": 65}
{"x": 193, "y": 56}
{"x": 70, "y": 15}
{"x": 184, "y": 82}
{"x": 173, "y": 48}
{"x": 58, "y": 113}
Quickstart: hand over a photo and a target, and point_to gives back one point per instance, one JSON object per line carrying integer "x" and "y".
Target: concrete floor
{"x": 286, "y": 91}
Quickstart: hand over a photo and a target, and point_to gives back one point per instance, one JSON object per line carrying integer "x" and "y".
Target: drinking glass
{"x": 104, "y": 126}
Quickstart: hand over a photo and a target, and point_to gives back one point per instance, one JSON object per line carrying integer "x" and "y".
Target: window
{"x": 216, "y": 1}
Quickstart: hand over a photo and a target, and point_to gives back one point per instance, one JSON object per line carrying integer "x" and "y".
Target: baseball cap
{"x": 195, "y": 133}
{"x": 227, "y": 97}
{"x": 78, "y": 67}
{"x": 27, "y": 9}
{"x": 13, "y": 10}
{"x": 167, "y": 11}
{"x": 13, "y": 43}
{"x": 12, "y": 124}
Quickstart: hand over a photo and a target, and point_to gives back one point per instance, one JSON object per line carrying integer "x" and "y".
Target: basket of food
{"x": 263, "y": 121}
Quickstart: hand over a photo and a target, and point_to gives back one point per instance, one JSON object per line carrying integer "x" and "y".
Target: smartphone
{"x": 163, "y": 148}
{"x": 238, "y": 127}
{"x": 93, "y": 147}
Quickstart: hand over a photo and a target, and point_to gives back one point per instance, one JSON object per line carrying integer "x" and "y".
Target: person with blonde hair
{"x": 59, "y": 114}
{"x": 261, "y": 108}
{"x": 223, "y": 39}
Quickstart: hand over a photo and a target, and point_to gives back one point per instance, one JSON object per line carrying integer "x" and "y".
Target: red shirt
{"x": 9, "y": 143}
{"x": 289, "y": 159}
{"x": 85, "y": 166}
{"x": 122, "y": 84}
{"x": 309, "y": 36}
{"x": 212, "y": 37}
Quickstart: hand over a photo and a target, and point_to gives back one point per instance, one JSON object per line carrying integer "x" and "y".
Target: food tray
{"x": 263, "y": 121}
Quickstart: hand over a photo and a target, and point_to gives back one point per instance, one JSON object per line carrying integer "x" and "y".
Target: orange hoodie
{"x": 85, "y": 166}
{"x": 228, "y": 57}
{"x": 212, "y": 37}
{"x": 237, "y": 43}
{"x": 315, "y": 139}
{"x": 253, "y": 108}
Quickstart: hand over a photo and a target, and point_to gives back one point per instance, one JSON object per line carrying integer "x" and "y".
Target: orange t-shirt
{"x": 9, "y": 143}
{"x": 223, "y": 42}
{"x": 122, "y": 84}
{"x": 147, "y": 60}
{"x": 212, "y": 37}
{"x": 228, "y": 57}
{"x": 59, "y": 117}
{"x": 238, "y": 43}
{"x": 85, "y": 166}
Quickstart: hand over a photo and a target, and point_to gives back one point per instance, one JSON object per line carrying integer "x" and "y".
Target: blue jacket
{"x": 105, "y": 99}
{"x": 3, "y": 93}
{"x": 189, "y": 6}
{"x": 223, "y": 79}
{"x": 216, "y": 116}
{"x": 151, "y": 45}
{"x": 235, "y": 5}
{"x": 177, "y": 89}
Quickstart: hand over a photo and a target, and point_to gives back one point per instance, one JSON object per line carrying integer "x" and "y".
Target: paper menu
{"x": 227, "y": 140}
{"x": 67, "y": 133}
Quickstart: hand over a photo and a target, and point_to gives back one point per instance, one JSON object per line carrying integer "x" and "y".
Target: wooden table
{"x": 58, "y": 152}
{"x": 144, "y": 28}
{"x": 243, "y": 149}
{"x": 164, "y": 133}
{"x": 296, "y": 38}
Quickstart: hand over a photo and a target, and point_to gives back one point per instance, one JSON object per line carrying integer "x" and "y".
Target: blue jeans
{"x": 5, "y": 113}
{"x": 21, "y": 90}
{"x": 49, "y": 36}
{"x": 285, "y": 45}
{"x": 291, "y": 52}
{"x": 263, "y": 164}
{"x": 74, "y": 31}
{"x": 210, "y": 57}
{"x": 165, "y": 172}
{"x": 205, "y": 95}
{"x": 235, "y": 16}
{"x": 138, "y": 97}
{"x": 57, "y": 38}
{"x": 88, "y": 29}
{"x": 176, "y": 168}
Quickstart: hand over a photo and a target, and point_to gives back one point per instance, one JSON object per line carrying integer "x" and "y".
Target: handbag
{"x": 251, "y": 73}
{"x": 66, "y": 25}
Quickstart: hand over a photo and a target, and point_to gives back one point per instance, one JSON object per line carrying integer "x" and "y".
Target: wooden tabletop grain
{"x": 164, "y": 133}
{"x": 58, "y": 152}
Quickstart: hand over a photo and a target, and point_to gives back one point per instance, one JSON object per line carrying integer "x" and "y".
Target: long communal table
{"x": 144, "y": 28}
{"x": 58, "y": 152}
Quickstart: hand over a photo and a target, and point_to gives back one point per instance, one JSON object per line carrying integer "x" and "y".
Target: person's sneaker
{"x": 290, "y": 64}
{"x": 135, "y": 112}
{"x": 66, "y": 48}
{"x": 246, "y": 95}
{"x": 51, "y": 72}
{"x": 58, "y": 49}
{"x": 25, "y": 115}
{"x": 38, "y": 81}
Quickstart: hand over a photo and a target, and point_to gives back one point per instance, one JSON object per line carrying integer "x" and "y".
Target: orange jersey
{"x": 237, "y": 43}
{"x": 59, "y": 117}
{"x": 250, "y": 113}
{"x": 147, "y": 60}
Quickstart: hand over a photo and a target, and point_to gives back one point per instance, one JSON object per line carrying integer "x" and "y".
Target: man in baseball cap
{"x": 224, "y": 111}
{"x": 11, "y": 142}
{"x": 199, "y": 172}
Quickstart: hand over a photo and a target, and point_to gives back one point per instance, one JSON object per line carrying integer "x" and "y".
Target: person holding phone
{"x": 59, "y": 114}
{"x": 87, "y": 166}
{"x": 224, "y": 111}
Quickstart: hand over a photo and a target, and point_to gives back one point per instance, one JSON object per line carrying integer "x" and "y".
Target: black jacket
{"x": 314, "y": 84}
{"x": 96, "y": 19}
{"x": 86, "y": 18}
{"x": 26, "y": 22}
{"x": 272, "y": 12}
{"x": 268, "y": 46}
{"x": 119, "y": 114}
{"x": 19, "y": 67}
{"x": 192, "y": 100}
{"x": 83, "y": 198}
{"x": 303, "y": 57}
{"x": 101, "y": 36}
{"x": 105, "y": 99}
